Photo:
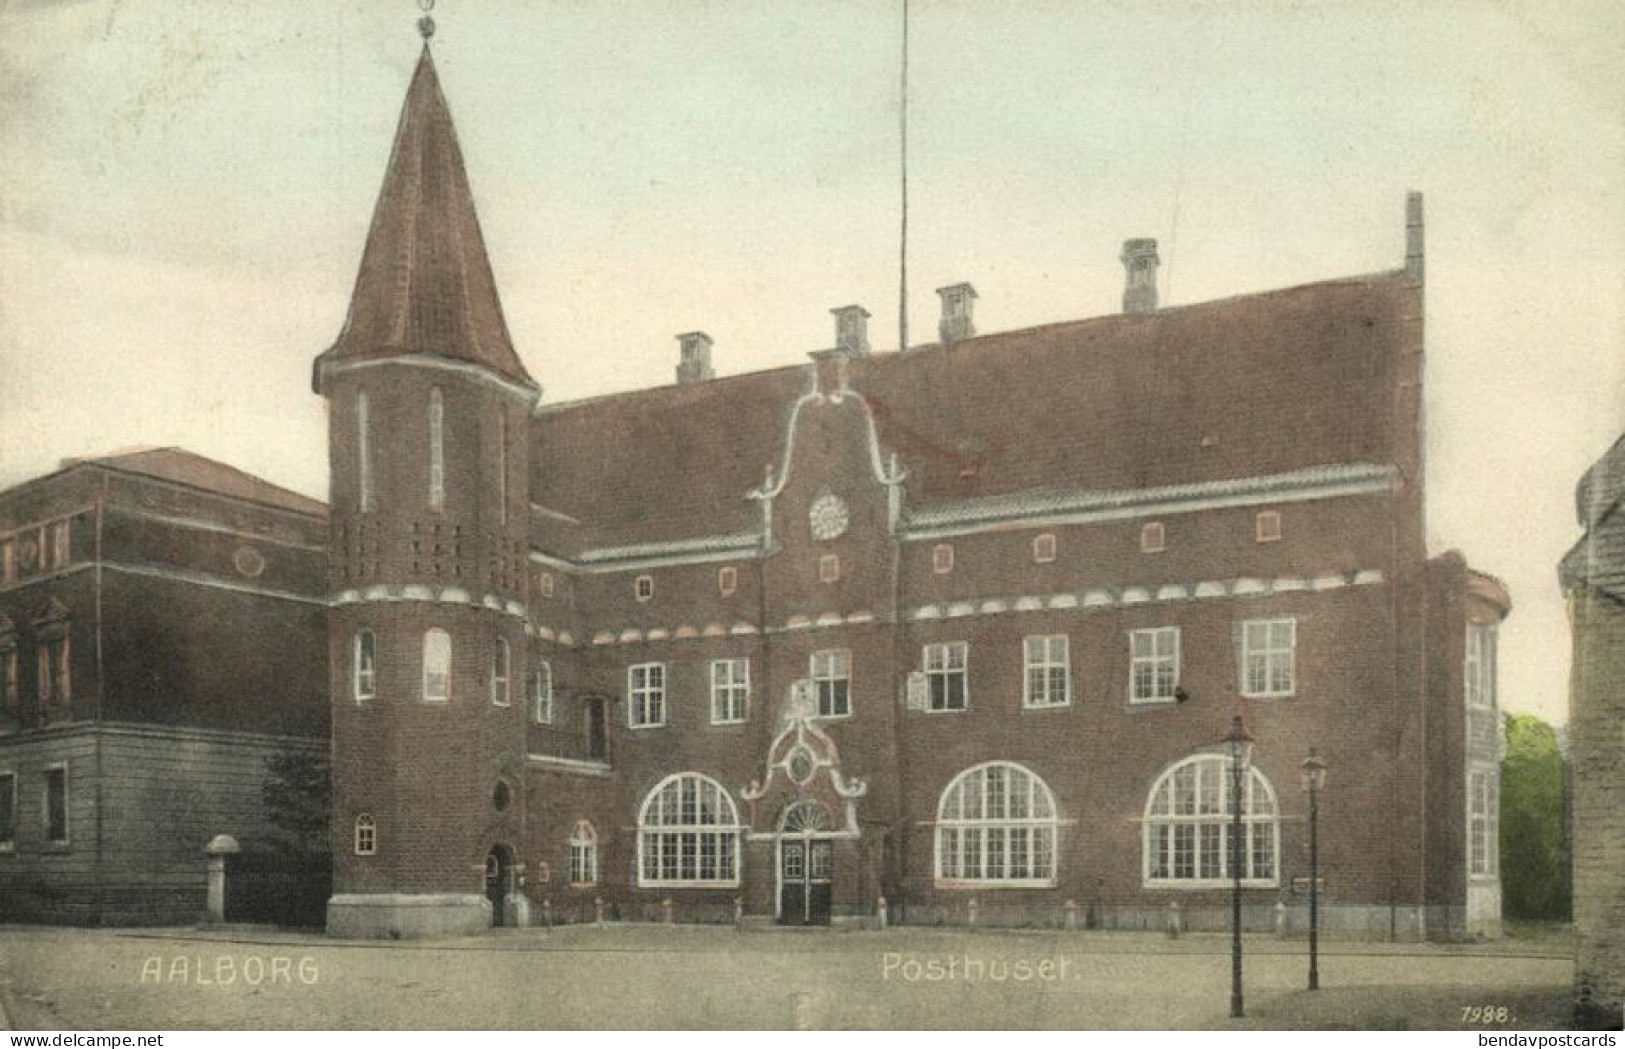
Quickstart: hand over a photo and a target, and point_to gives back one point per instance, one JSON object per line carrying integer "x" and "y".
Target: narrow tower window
{"x": 363, "y": 443}
{"x": 436, "y": 666}
{"x": 366, "y": 666}
{"x": 366, "y": 836}
{"x": 500, "y": 667}
{"x": 437, "y": 451}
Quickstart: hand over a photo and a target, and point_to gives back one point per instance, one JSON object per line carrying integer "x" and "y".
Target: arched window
{"x": 436, "y": 666}
{"x": 363, "y": 444}
{"x": 437, "y": 450}
{"x": 1188, "y": 821}
{"x": 365, "y": 666}
{"x": 997, "y": 823}
{"x": 366, "y": 835}
{"x": 583, "y": 854}
{"x": 688, "y": 834}
{"x": 500, "y": 674}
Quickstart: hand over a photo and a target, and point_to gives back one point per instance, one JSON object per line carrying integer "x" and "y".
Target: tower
{"x": 429, "y": 411}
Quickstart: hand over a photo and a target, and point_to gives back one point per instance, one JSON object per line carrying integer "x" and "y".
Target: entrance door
{"x": 498, "y": 873}
{"x": 804, "y": 881}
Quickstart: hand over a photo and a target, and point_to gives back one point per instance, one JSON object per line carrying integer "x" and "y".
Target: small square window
{"x": 1153, "y": 538}
{"x": 727, "y": 580}
{"x": 942, "y": 558}
{"x": 1044, "y": 548}
{"x": 544, "y": 583}
{"x": 829, "y": 568}
{"x": 644, "y": 587}
{"x": 1267, "y": 527}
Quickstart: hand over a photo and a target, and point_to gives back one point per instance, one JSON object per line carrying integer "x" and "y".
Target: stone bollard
{"x": 971, "y": 910}
{"x": 1175, "y": 926}
{"x": 739, "y": 912}
{"x": 880, "y": 912}
{"x": 1280, "y": 919}
{"x": 1071, "y": 910}
{"x": 666, "y": 910}
{"x": 547, "y": 913}
{"x": 219, "y": 847}
{"x": 598, "y": 910}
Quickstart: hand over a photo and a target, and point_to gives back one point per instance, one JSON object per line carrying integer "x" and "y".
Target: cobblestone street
{"x": 691, "y": 977}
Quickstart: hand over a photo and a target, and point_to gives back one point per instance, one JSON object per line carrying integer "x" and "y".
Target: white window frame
{"x": 1154, "y": 639}
{"x": 645, "y": 695}
{"x": 433, "y": 647}
{"x": 830, "y": 670}
{"x": 730, "y": 691}
{"x": 942, "y": 662}
{"x": 1209, "y": 818}
{"x": 1153, "y": 537}
{"x": 709, "y": 825}
{"x": 643, "y": 587}
{"x": 367, "y": 497}
{"x": 1267, "y": 526}
{"x": 968, "y": 841}
{"x": 829, "y": 568}
{"x": 942, "y": 558}
{"x": 501, "y": 674}
{"x": 1044, "y": 548}
{"x": 727, "y": 580}
{"x": 45, "y": 805}
{"x": 541, "y": 693}
{"x": 1270, "y": 652}
{"x": 437, "y": 450}
{"x": 544, "y": 583}
{"x": 364, "y": 666}
{"x": 583, "y": 854}
{"x": 1479, "y": 672}
{"x": 10, "y": 774}
{"x": 1043, "y": 655}
{"x": 1483, "y": 823}
{"x": 364, "y": 839}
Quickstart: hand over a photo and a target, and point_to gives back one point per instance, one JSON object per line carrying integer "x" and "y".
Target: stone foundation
{"x": 401, "y": 917}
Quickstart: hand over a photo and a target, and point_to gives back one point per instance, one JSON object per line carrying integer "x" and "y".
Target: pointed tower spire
{"x": 425, "y": 284}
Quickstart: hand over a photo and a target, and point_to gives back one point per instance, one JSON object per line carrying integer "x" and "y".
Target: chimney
{"x": 694, "y": 357}
{"x": 851, "y": 331}
{"x": 1413, "y": 236}
{"x": 958, "y": 305}
{"x": 1140, "y": 265}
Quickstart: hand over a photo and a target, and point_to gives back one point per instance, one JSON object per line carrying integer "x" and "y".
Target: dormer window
{"x": 643, "y": 587}
{"x": 1044, "y": 548}
{"x": 942, "y": 558}
{"x": 1153, "y": 538}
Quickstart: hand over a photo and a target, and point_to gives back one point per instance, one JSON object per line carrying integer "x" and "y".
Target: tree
{"x": 1534, "y": 850}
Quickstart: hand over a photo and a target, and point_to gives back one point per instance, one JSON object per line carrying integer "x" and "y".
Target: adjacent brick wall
{"x": 1597, "y": 733}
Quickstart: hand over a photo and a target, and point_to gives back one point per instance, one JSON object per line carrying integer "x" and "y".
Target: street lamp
{"x": 1240, "y": 745}
{"x": 1314, "y": 781}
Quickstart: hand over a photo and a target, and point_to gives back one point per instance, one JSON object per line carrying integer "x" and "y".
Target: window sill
{"x": 1152, "y": 704}
{"x": 973, "y": 885}
{"x": 730, "y": 723}
{"x": 642, "y": 728}
{"x": 733, "y": 884}
{"x": 943, "y": 710}
{"x": 1047, "y": 706}
{"x": 1208, "y": 884}
{"x": 833, "y": 717}
{"x": 1268, "y": 695}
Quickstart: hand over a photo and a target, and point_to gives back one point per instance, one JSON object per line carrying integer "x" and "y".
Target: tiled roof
{"x": 183, "y": 467}
{"x": 425, "y": 283}
{"x": 1265, "y": 384}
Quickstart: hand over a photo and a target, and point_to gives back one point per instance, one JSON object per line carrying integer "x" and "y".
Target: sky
{"x": 187, "y": 186}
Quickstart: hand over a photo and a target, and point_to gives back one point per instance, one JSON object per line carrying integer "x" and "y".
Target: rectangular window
{"x": 1154, "y": 664}
{"x": 541, "y": 694}
{"x": 54, "y": 805}
{"x": 366, "y": 836}
{"x": 10, "y": 686}
{"x": 1048, "y": 670}
{"x": 363, "y": 443}
{"x": 1483, "y": 818}
{"x": 942, "y": 558}
{"x": 1267, "y": 526}
{"x": 55, "y": 681}
{"x": 829, "y": 568}
{"x": 8, "y": 560}
{"x": 646, "y": 695}
{"x": 945, "y": 673}
{"x": 831, "y": 672}
{"x": 544, "y": 583}
{"x": 583, "y": 863}
{"x": 501, "y": 674}
{"x": 366, "y": 666}
{"x": 61, "y": 534}
{"x": 727, "y": 580}
{"x": 730, "y": 690}
{"x": 1269, "y": 657}
{"x": 8, "y": 811}
{"x": 643, "y": 587}
{"x": 1153, "y": 538}
{"x": 1044, "y": 548}
{"x": 436, "y": 666}
{"x": 1480, "y": 676}
{"x": 437, "y": 451}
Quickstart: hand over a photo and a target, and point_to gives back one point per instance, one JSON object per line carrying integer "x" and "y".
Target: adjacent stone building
{"x": 1593, "y": 578}
{"x": 945, "y": 635}
{"x": 162, "y": 626}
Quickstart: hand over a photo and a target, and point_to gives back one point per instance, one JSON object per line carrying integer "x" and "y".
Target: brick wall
{"x": 1597, "y": 732}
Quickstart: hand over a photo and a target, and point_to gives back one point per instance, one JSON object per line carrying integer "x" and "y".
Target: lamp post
{"x": 1314, "y": 781}
{"x": 1240, "y": 745}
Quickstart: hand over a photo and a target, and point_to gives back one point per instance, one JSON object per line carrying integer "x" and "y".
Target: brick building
{"x": 1593, "y": 577}
{"x": 958, "y": 627}
{"x": 162, "y": 620}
